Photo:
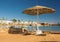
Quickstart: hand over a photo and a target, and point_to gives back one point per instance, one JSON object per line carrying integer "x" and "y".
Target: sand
{"x": 5, "y": 37}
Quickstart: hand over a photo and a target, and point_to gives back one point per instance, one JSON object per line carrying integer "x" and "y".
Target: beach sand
{"x": 5, "y": 37}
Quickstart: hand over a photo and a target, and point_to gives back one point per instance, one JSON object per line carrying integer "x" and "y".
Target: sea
{"x": 43, "y": 28}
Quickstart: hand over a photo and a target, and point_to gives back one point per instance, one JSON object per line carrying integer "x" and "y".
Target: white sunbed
{"x": 39, "y": 32}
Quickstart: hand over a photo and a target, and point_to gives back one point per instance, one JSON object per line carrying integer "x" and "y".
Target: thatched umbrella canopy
{"x": 38, "y": 10}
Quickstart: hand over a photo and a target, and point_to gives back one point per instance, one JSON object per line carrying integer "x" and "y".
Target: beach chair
{"x": 40, "y": 33}
{"x": 55, "y": 32}
{"x": 26, "y": 32}
{"x": 13, "y": 30}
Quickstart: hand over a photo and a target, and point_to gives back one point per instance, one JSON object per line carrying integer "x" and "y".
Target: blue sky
{"x": 10, "y": 9}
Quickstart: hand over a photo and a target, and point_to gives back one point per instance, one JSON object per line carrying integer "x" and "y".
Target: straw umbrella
{"x": 38, "y": 10}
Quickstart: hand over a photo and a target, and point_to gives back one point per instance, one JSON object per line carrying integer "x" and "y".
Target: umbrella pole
{"x": 37, "y": 20}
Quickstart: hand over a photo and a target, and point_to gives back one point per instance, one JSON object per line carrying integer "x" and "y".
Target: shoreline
{"x": 6, "y": 37}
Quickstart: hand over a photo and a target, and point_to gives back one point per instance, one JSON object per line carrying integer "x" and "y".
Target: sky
{"x": 10, "y": 9}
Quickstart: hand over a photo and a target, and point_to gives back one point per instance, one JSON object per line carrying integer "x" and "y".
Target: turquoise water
{"x": 43, "y": 28}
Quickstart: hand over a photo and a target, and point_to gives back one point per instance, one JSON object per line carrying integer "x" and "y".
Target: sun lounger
{"x": 40, "y": 33}
{"x": 26, "y": 32}
{"x": 55, "y": 32}
{"x": 13, "y": 30}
